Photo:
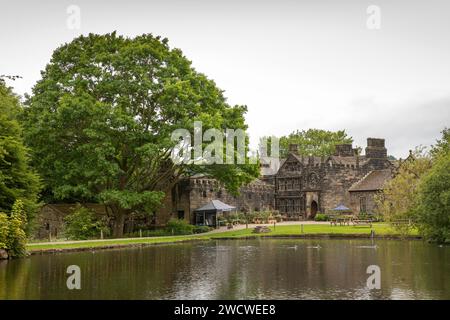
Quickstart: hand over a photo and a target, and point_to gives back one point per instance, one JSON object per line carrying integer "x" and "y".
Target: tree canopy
{"x": 442, "y": 146}
{"x": 17, "y": 179}
{"x": 100, "y": 122}
{"x": 315, "y": 142}
{"x": 433, "y": 210}
{"x": 420, "y": 191}
{"x": 399, "y": 197}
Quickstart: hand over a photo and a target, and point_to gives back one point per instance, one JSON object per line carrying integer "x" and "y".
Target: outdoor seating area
{"x": 340, "y": 220}
{"x": 341, "y": 215}
{"x": 401, "y": 222}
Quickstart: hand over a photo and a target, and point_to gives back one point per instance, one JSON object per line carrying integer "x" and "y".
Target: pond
{"x": 237, "y": 269}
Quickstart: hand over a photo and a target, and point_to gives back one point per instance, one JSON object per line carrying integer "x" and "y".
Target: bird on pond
{"x": 368, "y": 247}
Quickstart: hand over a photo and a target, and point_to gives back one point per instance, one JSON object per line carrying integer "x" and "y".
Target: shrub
{"x": 12, "y": 230}
{"x": 261, "y": 216}
{"x": 17, "y": 236}
{"x": 242, "y": 218}
{"x": 221, "y": 220}
{"x": 179, "y": 227}
{"x": 369, "y": 216}
{"x": 321, "y": 217}
{"x": 265, "y": 215}
{"x": 4, "y": 227}
{"x": 235, "y": 218}
{"x": 82, "y": 224}
{"x": 277, "y": 216}
{"x": 202, "y": 229}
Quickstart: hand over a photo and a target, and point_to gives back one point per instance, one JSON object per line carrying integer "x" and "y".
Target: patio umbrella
{"x": 216, "y": 205}
{"x": 342, "y": 208}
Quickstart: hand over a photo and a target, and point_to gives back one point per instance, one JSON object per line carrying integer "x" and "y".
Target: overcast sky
{"x": 295, "y": 64}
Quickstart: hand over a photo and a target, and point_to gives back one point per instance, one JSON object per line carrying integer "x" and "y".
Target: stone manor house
{"x": 298, "y": 186}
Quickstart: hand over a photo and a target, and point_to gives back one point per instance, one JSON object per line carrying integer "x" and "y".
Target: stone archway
{"x": 312, "y": 204}
{"x": 314, "y": 208}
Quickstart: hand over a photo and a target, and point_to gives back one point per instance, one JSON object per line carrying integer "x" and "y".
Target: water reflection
{"x": 237, "y": 269}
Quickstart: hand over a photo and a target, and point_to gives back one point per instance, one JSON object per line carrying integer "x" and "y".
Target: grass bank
{"x": 380, "y": 229}
{"x": 309, "y": 230}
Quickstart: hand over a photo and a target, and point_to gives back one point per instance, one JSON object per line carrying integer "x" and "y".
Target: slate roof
{"x": 215, "y": 205}
{"x": 335, "y": 159}
{"x": 347, "y": 160}
{"x": 305, "y": 159}
{"x": 373, "y": 181}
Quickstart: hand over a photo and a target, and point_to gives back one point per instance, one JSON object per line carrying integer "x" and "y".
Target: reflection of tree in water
{"x": 14, "y": 277}
{"x": 147, "y": 273}
{"x": 142, "y": 273}
{"x": 414, "y": 269}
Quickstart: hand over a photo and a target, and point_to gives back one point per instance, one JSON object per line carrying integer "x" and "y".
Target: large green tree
{"x": 100, "y": 122}
{"x": 17, "y": 179}
{"x": 316, "y": 142}
{"x": 433, "y": 210}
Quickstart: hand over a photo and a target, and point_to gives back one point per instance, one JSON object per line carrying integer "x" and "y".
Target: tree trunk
{"x": 119, "y": 222}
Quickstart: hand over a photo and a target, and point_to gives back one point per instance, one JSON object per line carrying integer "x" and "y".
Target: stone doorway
{"x": 314, "y": 208}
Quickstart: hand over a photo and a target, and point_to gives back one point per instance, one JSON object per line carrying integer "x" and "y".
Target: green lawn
{"x": 290, "y": 230}
{"x": 115, "y": 242}
{"x": 379, "y": 228}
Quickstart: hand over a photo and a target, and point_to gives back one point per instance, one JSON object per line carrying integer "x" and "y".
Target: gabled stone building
{"x": 299, "y": 186}
{"x": 305, "y": 185}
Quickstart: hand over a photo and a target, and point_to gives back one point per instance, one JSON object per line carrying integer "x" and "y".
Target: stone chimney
{"x": 344, "y": 150}
{"x": 356, "y": 155}
{"x": 375, "y": 149}
{"x": 293, "y": 148}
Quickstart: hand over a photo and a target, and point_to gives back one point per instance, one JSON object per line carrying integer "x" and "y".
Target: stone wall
{"x": 50, "y": 220}
{"x": 337, "y": 180}
{"x": 363, "y": 202}
{"x": 256, "y": 196}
